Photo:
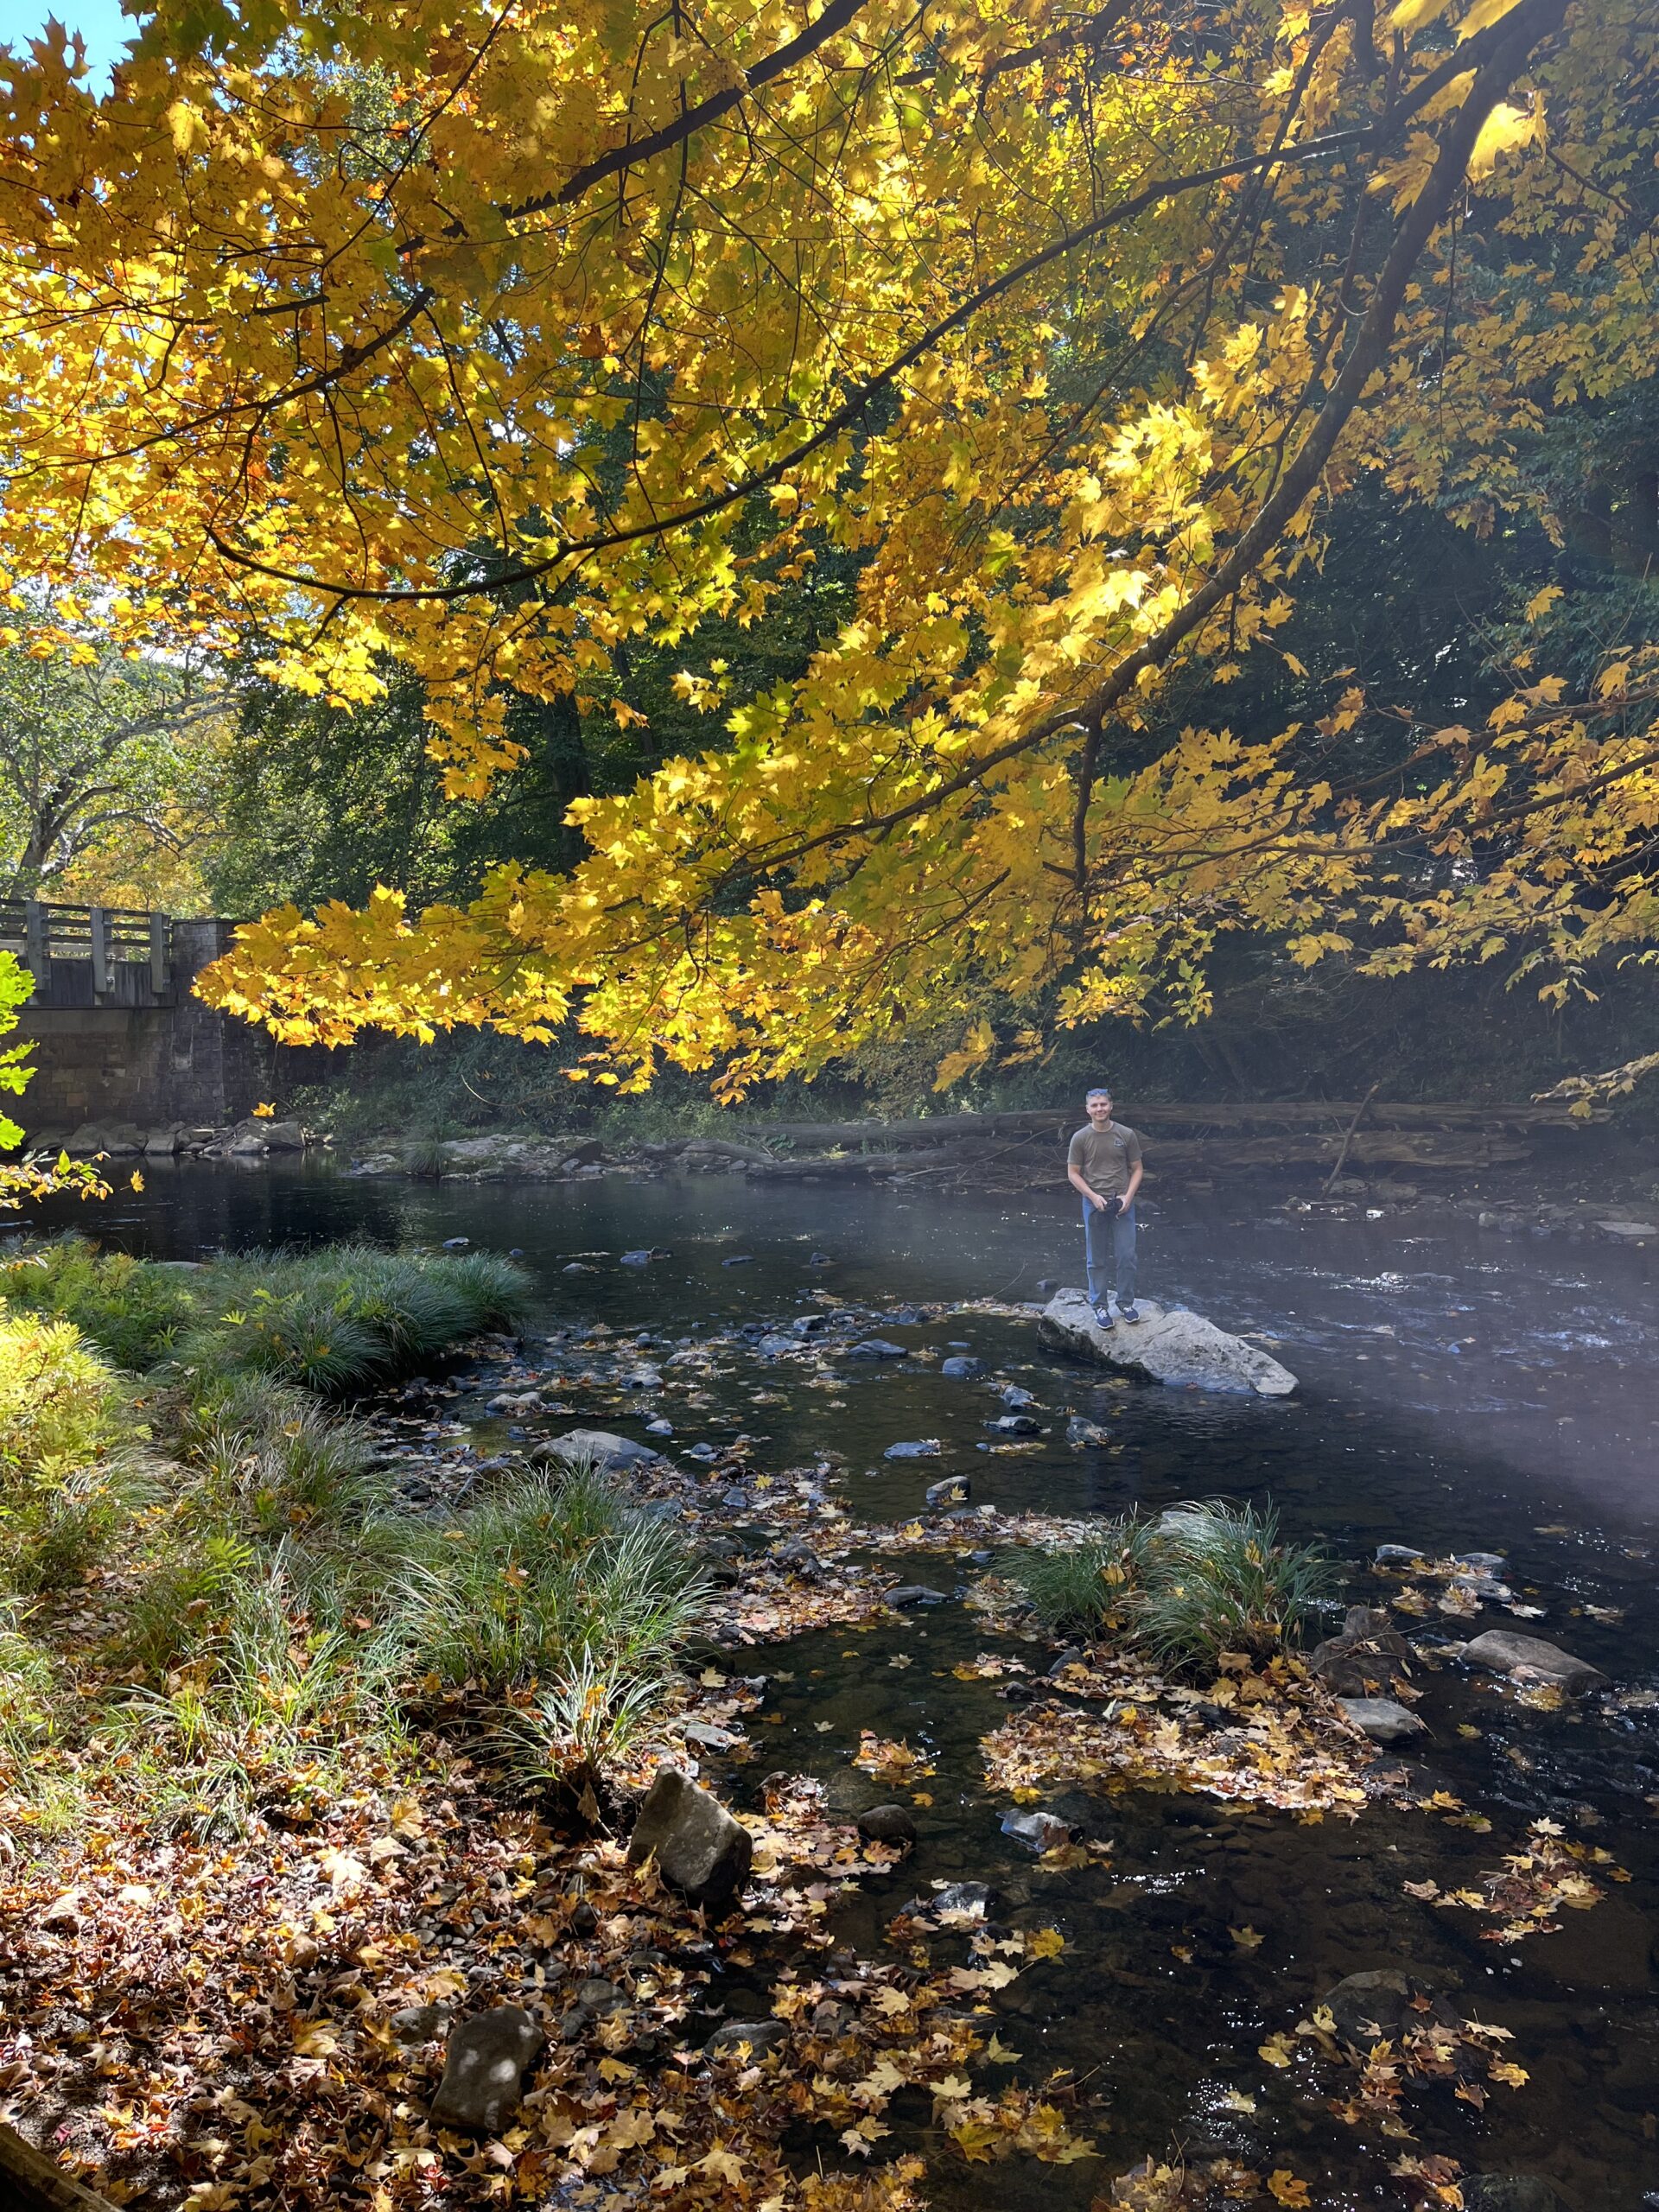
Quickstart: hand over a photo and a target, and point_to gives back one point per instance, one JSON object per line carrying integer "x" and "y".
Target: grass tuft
{"x": 1204, "y": 1580}
{"x": 579, "y": 1725}
{"x": 555, "y": 1570}
{"x": 1088, "y": 1586}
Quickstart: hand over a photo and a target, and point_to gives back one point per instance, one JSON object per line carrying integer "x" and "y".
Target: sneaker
{"x": 1128, "y": 1313}
{"x": 1102, "y": 1317}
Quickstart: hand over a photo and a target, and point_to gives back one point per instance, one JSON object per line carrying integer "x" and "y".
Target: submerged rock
{"x": 888, "y": 1824}
{"x": 925, "y": 1448}
{"x": 875, "y": 1348}
{"x": 1503, "y": 1651}
{"x": 699, "y": 1848}
{"x": 484, "y": 2063}
{"x": 1015, "y": 1425}
{"x": 1089, "y": 1434}
{"x": 960, "y": 1897}
{"x": 1369, "y": 2006}
{"x": 1172, "y": 1346}
{"x": 1040, "y": 1832}
{"x": 914, "y": 1593}
{"x": 759, "y": 2037}
{"x": 955, "y": 1489}
{"x": 961, "y": 1366}
{"x": 1381, "y": 1719}
{"x": 1369, "y": 1652}
{"x": 1511, "y": 2193}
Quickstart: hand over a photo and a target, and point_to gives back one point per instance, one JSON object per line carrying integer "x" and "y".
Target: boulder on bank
{"x": 1171, "y": 1346}
{"x": 483, "y": 2065}
{"x": 599, "y": 1447}
{"x": 700, "y": 1849}
{"x": 113, "y": 1137}
{"x": 1503, "y": 1651}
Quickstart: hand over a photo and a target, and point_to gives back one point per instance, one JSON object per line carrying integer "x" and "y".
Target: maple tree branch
{"x": 841, "y": 419}
{"x": 1524, "y": 26}
{"x": 836, "y": 17}
{"x": 1472, "y": 57}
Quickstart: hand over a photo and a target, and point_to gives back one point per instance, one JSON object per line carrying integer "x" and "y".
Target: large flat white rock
{"x": 1172, "y": 1345}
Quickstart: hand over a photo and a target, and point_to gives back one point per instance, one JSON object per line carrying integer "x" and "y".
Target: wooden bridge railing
{"x": 91, "y": 956}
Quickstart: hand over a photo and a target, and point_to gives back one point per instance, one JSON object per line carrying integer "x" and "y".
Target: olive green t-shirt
{"x": 1105, "y": 1157}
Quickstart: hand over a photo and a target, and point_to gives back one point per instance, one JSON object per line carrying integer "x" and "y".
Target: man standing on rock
{"x": 1103, "y": 1164}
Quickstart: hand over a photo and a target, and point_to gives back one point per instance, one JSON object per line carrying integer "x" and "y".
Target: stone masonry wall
{"x": 150, "y": 1065}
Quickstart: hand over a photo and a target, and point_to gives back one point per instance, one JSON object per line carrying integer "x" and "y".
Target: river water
{"x": 1460, "y": 1389}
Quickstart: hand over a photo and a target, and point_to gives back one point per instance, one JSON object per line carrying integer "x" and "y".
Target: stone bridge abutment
{"x": 117, "y": 1032}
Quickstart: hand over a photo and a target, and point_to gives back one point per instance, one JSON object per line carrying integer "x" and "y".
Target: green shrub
{"x": 1203, "y": 1580}
{"x": 525, "y": 1586}
{"x": 27, "y": 1685}
{"x": 131, "y": 1309}
{"x": 64, "y": 1492}
{"x": 60, "y": 1407}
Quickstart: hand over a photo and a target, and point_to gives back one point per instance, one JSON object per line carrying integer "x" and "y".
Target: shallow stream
{"x": 1460, "y": 1390}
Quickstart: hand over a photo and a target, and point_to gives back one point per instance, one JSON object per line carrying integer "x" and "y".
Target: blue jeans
{"x": 1109, "y": 1238}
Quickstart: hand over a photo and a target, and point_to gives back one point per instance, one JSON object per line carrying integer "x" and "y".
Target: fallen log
{"x": 33, "y": 2183}
{"x": 1288, "y": 1113}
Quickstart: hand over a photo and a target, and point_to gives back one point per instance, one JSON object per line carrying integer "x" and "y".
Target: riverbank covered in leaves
{"x": 372, "y": 1917}
{"x": 994, "y": 1838}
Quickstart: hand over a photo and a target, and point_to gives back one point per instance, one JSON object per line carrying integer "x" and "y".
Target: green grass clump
{"x": 261, "y": 1710}
{"x": 332, "y": 1322}
{"x": 579, "y": 1725}
{"x": 1204, "y": 1580}
{"x": 1088, "y": 1586}
{"x": 345, "y": 1318}
{"x": 1225, "y": 1581}
{"x": 277, "y": 1468}
{"x": 527, "y": 1584}
{"x": 131, "y": 1310}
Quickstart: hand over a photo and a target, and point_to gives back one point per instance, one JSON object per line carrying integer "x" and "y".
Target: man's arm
{"x": 1074, "y": 1177}
{"x": 1137, "y": 1169}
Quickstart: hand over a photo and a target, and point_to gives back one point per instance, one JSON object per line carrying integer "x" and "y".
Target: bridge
{"x": 91, "y": 956}
{"x": 117, "y": 1032}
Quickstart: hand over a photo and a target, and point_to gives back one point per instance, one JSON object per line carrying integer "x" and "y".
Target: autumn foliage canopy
{"x": 486, "y": 340}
